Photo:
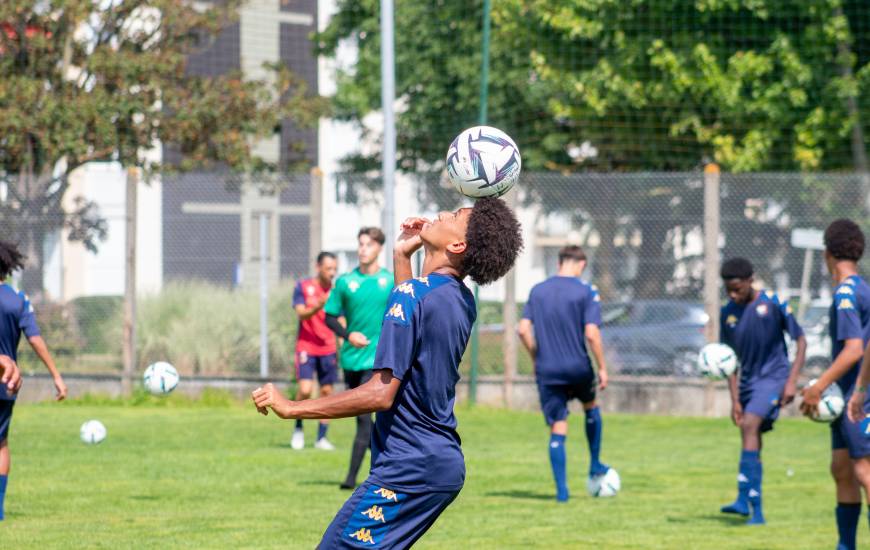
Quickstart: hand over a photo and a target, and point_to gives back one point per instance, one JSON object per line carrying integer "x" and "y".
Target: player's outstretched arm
{"x": 10, "y": 376}
{"x": 853, "y": 348}
{"x": 855, "y": 408}
{"x": 375, "y": 395}
{"x": 41, "y": 349}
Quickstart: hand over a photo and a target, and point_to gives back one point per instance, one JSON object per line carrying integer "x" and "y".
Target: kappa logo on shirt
{"x": 397, "y": 312}
{"x": 424, "y": 280}
{"x": 846, "y": 304}
{"x": 845, "y": 290}
{"x": 406, "y": 288}
{"x": 731, "y": 320}
{"x": 383, "y": 282}
{"x": 310, "y": 290}
{"x": 353, "y": 286}
{"x": 761, "y": 309}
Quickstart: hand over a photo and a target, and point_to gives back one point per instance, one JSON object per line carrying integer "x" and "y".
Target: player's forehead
{"x": 463, "y": 212}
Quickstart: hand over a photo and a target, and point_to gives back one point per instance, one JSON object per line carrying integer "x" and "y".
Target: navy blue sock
{"x": 754, "y": 493}
{"x": 321, "y": 430}
{"x": 848, "y": 514}
{"x": 593, "y": 438}
{"x": 2, "y": 493}
{"x": 741, "y": 505}
{"x": 557, "y": 462}
{"x": 298, "y": 424}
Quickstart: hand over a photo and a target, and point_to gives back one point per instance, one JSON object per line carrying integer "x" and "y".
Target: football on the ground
{"x": 92, "y": 432}
{"x": 606, "y": 485}
{"x": 717, "y": 361}
{"x": 483, "y": 162}
{"x": 160, "y": 378}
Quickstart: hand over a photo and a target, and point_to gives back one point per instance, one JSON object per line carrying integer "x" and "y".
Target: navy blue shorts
{"x": 6, "y": 406}
{"x": 762, "y": 399}
{"x": 376, "y": 517}
{"x": 555, "y": 397}
{"x": 850, "y": 435}
{"x": 326, "y": 367}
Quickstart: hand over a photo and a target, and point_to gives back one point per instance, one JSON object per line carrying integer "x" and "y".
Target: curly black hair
{"x": 736, "y": 268}
{"x": 844, "y": 240}
{"x": 11, "y": 259}
{"x": 493, "y": 239}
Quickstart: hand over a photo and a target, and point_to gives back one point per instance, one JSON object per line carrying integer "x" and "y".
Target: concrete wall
{"x": 635, "y": 395}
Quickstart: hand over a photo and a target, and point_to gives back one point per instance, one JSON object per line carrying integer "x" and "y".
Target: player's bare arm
{"x": 593, "y": 338}
{"x": 526, "y": 332}
{"x": 855, "y": 407}
{"x": 375, "y": 395}
{"x": 308, "y": 311}
{"x": 790, "y": 390}
{"x": 41, "y": 350}
{"x": 852, "y": 350}
{"x": 11, "y": 375}
{"x": 736, "y": 407}
{"x": 409, "y": 241}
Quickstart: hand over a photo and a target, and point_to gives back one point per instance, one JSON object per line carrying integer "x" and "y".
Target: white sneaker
{"x": 324, "y": 445}
{"x": 298, "y": 440}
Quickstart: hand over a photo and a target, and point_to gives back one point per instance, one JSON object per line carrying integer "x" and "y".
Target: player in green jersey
{"x": 361, "y": 297}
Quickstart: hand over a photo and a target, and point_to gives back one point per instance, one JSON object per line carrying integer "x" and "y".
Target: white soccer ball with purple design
{"x": 605, "y": 485}
{"x": 717, "y": 361}
{"x": 831, "y": 405}
{"x": 160, "y": 378}
{"x": 92, "y": 432}
{"x": 483, "y": 162}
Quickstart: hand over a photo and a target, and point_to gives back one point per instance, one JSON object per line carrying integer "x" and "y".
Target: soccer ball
{"x": 831, "y": 405}
{"x": 483, "y": 162}
{"x": 92, "y": 432}
{"x": 717, "y": 361}
{"x": 605, "y": 485}
{"x": 160, "y": 378}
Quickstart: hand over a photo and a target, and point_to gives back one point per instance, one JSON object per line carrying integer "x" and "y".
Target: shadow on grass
{"x": 730, "y": 520}
{"x": 144, "y": 497}
{"x": 524, "y": 495}
{"x": 333, "y": 482}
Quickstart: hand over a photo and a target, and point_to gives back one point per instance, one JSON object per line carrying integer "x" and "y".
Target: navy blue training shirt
{"x": 16, "y": 316}
{"x": 560, "y": 308}
{"x": 756, "y": 331}
{"x": 849, "y": 318}
{"x": 426, "y": 328}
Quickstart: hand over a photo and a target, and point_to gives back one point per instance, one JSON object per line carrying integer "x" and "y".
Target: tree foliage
{"x": 82, "y": 80}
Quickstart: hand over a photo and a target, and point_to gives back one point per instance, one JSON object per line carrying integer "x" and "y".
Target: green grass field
{"x": 200, "y": 475}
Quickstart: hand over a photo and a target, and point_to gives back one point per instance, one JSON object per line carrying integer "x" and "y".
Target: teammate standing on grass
{"x": 16, "y": 316}
{"x": 753, "y": 323}
{"x": 849, "y": 322}
{"x": 361, "y": 297}
{"x": 562, "y": 314}
{"x": 417, "y": 464}
{"x": 315, "y": 344}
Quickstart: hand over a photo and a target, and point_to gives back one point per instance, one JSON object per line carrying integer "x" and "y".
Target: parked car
{"x": 653, "y": 337}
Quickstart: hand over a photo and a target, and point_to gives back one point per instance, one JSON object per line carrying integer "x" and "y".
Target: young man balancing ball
{"x": 417, "y": 465}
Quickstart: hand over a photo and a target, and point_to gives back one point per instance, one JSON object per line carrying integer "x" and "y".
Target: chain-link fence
{"x": 200, "y": 269}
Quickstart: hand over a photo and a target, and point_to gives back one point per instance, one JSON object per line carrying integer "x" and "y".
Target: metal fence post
{"x": 264, "y": 296}
{"x": 711, "y": 267}
{"x": 509, "y": 321}
{"x": 129, "y": 343}
{"x": 315, "y": 217}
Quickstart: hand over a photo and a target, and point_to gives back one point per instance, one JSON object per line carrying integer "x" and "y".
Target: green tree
{"x": 84, "y": 81}
{"x": 648, "y": 85}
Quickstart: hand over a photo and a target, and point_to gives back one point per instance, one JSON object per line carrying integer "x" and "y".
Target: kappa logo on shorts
{"x": 375, "y": 513}
{"x": 387, "y": 494}
{"x": 363, "y": 535}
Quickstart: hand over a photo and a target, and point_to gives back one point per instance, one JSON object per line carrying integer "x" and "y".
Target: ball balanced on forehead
{"x": 483, "y": 162}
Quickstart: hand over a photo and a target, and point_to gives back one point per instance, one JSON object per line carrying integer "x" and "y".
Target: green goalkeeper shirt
{"x": 362, "y": 300}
